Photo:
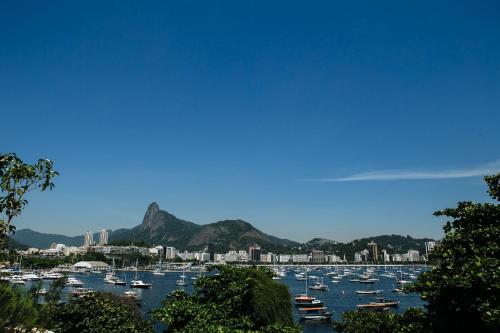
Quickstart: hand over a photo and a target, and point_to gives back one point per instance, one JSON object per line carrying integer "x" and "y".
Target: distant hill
{"x": 41, "y": 240}
{"x": 15, "y": 245}
{"x": 392, "y": 243}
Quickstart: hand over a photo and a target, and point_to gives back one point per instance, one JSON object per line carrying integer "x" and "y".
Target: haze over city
{"x": 338, "y": 120}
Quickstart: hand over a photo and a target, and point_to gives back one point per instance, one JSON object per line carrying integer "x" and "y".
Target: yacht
{"x": 139, "y": 284}
{"x": 31, "y": 277}
{"x": 72, "y": 282}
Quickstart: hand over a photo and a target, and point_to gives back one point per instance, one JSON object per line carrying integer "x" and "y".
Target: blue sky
{"x": 329, "y": 119}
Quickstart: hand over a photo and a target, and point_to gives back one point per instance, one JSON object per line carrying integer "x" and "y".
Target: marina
{"x": 314, "y": 308}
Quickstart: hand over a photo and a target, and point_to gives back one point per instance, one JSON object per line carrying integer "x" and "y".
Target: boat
{"x": 379, "y": 305}
{"x": 72, "y": 282}
{"x": 367, "y": 292}
{"x": 139, "y": 284}
{"x": 136, "y": 283}
{"x": 42, "y": 292}
{"x": 31, "y": 277}
{"x": 157, "y": 270}
{"x": 319, "y": 313}
{"x": 52, "y": 276}
{"x": 79, "y": 292}
{"x": 132, "y": 294}
{"x": 182, "y": 280}
{"x": 17, "y": 280}
{"x": 319, "y": 285}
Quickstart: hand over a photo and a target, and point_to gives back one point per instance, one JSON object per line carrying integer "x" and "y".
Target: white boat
{"x": 368, "y": 292}
{"x": 17, "y": 280}
{"x": 31, "y": 277}
{"x": 139, "y": 284}
{"x": 52, "y": 276}
{"x": 72, "y": 282}
{"x": 182, "y": 280}
{"x": 136, "y": 283}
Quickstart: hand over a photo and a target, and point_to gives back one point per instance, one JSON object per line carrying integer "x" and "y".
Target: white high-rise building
{"x": 89, "y": 239}
{"x": 103, "y": 237}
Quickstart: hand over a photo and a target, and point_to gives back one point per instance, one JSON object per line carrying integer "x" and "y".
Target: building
{"x": 300, "y": 258}
{"x": 397, "y": 257}
{"x": 386, "y": 256}
{"x": 170, "y": 253}
{"x": 254, "y": 253}
{"x": 372, "y": 252}
{"x": 318, "y": 257}
{"x": 89, "y": 239}
{"x": 266, "y": 258}
{"x": 90, "y": 265}
{"x": 284, "y": 258}
{"x": 413, "y": 255}
{"x": 211, "y": 251}
{"x": 428, "y": 248}
{"x": 103, "y": 237}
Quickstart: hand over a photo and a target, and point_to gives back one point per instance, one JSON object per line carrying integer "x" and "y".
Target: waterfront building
{"x": 103, "y": 237}
{"x": 300, "y": 258}
{"x": 96, "y": 265}
{"x": 170, "y": 253}
{"x": 211, "y": 251}
{"x": 386, "y": 256}
{"x": 372, "y": 252}
{"x": 413, "y": 255}
{"x": 88, "y": 239}
{"x": 318, "y": 257}
{"x": 254, "y": 253}
{"x": 284, "y": 258}
{"x": 332, "y": 259}
{"x": 396, "y": 257}
{"x": 266, "y": 258}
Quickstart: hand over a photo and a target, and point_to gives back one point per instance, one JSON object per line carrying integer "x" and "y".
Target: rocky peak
{"x": 151, "y": 214}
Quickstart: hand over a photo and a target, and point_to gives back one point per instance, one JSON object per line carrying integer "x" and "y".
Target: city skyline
{"x": 341, "y": 120}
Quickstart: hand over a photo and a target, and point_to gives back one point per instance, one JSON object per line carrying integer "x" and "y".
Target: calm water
{"x": 340, "y": 297}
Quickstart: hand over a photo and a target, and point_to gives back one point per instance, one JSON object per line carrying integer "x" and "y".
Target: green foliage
{"x": 18, "y": 308}
{"x": 16, "y": 179}
{"x": 234, "y": 300}
{"x": 411, "y": 321}
{"x": 464, "y": 287}
{"x": 97, "y": 313}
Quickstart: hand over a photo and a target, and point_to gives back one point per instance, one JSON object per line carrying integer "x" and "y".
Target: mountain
{"x": 392, "y": 243}
{"x": 42, "y": 241}
{"x": 161, "y": 227}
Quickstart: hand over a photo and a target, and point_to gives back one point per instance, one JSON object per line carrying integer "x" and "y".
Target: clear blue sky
{"x": 333, "y": 119}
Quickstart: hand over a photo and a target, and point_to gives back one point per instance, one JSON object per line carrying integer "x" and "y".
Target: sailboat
{"x": 182, "y": 280}
{"x": 157, "y": 270}
{"x": 136, "y": 283}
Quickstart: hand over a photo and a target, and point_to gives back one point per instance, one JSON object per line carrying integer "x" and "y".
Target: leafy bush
{"x": 234, "y": 300}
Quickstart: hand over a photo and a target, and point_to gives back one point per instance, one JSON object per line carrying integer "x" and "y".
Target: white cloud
{"x": 409, "y": 174}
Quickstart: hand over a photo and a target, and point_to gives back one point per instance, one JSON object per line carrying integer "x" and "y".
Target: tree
{"x": 463, "y": 289}
{"x": 234, "y": 300}
{"x": 411, "y": 321}
{"x": 18, "y": 309}
{"x": 16, "y": 179}
{"x": 97, "y": 313}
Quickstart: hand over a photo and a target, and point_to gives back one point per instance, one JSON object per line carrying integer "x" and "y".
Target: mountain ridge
{"x": 163, "y": 228}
